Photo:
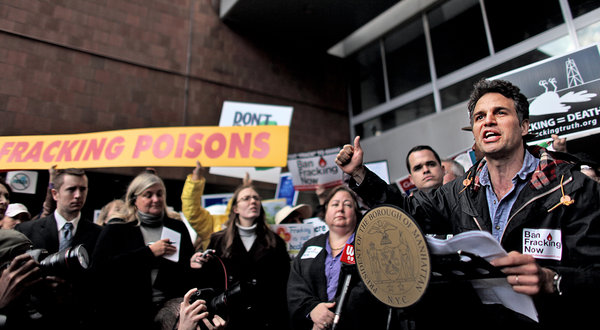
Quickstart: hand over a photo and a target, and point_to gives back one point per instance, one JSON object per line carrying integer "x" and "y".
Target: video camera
{"x": 221, "y": 304}
{"x": 62, "y": 263}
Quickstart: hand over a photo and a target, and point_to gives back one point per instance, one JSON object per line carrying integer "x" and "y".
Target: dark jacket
{"x": 262, "y": 273}
{"x": 122, "y": 267}
{"x": 307, "y": 287}
{"x": 44, "y": 234}
{"x": 456, "y": 207}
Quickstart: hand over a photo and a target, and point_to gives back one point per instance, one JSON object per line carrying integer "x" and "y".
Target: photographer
{"x": 185, "y": 313}
{"x": 19, "y": 273}
{"x": 190, "y": 313}
{"x": 33, "y": 282}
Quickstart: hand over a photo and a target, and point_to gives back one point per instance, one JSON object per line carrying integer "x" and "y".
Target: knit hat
{"x": 12, "y": 244}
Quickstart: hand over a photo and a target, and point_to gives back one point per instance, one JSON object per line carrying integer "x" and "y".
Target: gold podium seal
{"x": 392, "y": 256}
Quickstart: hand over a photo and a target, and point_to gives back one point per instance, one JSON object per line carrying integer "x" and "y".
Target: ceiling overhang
{"x": 302, "y": 25}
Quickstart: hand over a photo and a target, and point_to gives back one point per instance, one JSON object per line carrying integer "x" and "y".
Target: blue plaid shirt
{"x": 500, "y": 209}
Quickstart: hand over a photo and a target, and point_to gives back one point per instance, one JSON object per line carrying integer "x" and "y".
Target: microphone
{"x": 347, "y": 258}
{"x": 348, "y": 255}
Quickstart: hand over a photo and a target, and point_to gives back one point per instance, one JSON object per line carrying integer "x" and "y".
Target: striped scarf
{"x": 542, "y": 176}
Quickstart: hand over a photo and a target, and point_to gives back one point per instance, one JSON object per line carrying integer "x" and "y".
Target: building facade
{"x": 413, "y": 67}
{"x": 397, "y": 73}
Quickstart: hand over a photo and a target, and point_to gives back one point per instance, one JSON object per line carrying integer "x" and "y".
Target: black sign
{"x": 563, "y": 93}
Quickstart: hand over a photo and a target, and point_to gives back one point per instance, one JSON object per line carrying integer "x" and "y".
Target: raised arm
{"x": 191, "y": 204}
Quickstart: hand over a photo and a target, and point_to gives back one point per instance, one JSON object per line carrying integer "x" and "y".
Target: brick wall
{"x": 83, "y": 66}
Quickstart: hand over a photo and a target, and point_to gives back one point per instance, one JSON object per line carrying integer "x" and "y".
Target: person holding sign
{"x": 249, "y": 263}
{"x": 536, "y": 203}
{"x": 141, "y": 261}
{"x": 317, "y": 271}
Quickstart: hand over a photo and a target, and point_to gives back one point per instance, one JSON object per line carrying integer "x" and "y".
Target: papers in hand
{"x": 492, "y": 290}
{"x": 174, "y": 237}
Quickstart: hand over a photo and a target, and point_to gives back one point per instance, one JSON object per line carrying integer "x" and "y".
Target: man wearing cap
{"x": 535, "y": 203}
{"x": 18, "y": 273}
{"x": 295, "y": 214}
{"x": 15, "y": 214}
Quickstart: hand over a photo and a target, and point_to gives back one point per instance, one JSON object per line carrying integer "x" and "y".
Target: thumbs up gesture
{"x": 350, "y": 160}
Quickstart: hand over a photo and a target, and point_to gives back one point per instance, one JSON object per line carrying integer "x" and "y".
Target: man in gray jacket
{"x": 535, "y": 203}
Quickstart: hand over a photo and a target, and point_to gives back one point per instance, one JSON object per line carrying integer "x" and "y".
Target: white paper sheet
{"x": 175, "y": 238}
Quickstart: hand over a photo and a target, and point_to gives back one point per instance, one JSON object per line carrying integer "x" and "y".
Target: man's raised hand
{"x": 350, "y": 160}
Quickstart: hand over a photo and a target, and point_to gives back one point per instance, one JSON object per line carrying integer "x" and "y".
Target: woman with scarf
{"x": 137, "y": 268}
{"x": 247, "y": 253}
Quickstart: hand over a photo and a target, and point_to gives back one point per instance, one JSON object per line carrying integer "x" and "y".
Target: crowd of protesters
{"x": 136, "y": 265}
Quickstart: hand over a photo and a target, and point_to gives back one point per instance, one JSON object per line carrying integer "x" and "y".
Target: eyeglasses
{"x": 247, "y": 198}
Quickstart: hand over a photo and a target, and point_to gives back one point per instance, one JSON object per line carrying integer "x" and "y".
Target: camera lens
{"x": 67, "y": 261}
{"x": 81, "y": 254}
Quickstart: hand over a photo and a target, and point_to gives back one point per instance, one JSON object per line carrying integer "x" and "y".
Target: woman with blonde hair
{"x": 139, "y": 269}
{"x": 249, "y": 254}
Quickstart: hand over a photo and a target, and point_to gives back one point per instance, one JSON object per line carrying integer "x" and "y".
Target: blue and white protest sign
{"x": 285, "y": 189}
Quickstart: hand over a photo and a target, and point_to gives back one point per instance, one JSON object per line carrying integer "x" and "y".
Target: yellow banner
{"x": 261, "y": 146}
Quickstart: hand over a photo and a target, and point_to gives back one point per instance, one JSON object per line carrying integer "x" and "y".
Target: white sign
{"x": 543, "y": 243}
{"x": 23, "y": 182}
{"x": 310, "y": 169}
{"x": 381, "y": 169}
{"x": 253, "y": 114}
{"x": 311, "y": 252}
{"x": 294, "y": 235}
{"x": 319, "y": 226}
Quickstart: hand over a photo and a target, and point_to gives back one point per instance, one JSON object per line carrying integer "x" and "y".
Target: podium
{"x": 397, "y": 262}
{"x": 461, "y": 266}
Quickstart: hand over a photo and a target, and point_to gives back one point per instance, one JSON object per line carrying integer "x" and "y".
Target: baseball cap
{"x": 16, "y": 208}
